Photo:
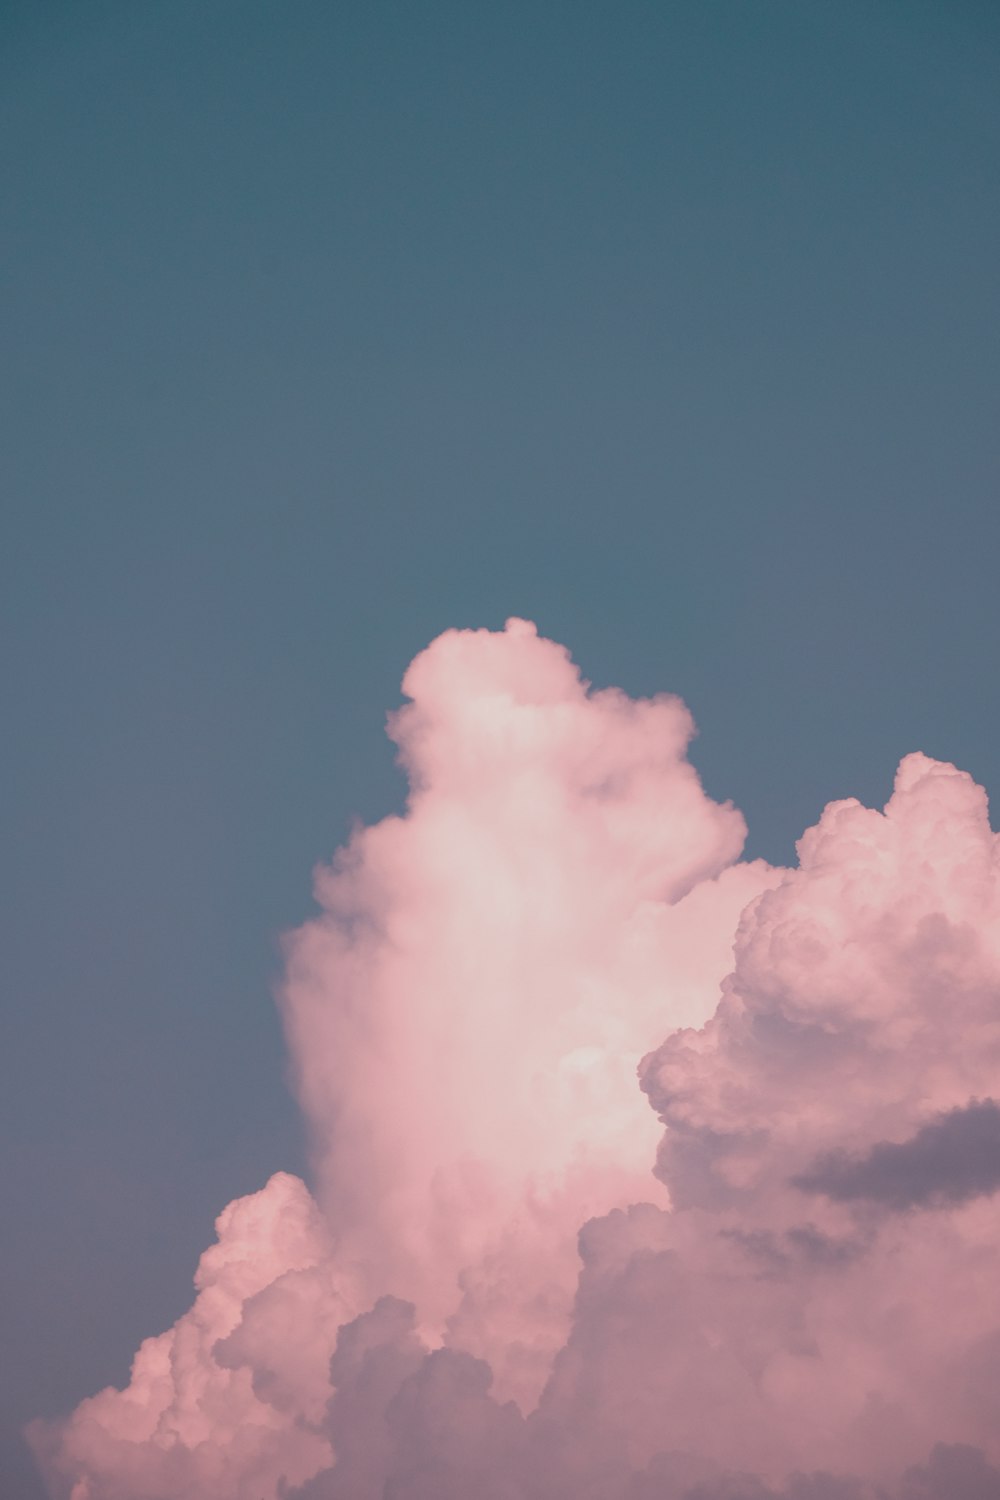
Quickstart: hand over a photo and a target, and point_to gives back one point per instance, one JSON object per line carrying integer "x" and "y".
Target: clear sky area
{"x": 672, "y": 327}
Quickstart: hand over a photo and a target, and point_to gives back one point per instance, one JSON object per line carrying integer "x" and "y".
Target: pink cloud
{"x": 231, "y": 1399}
{"x": 807, "y": 1287}
{"x": 466, "y": 1017}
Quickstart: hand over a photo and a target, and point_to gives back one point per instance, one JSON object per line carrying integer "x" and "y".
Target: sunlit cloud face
{"x": 467, "y": 1016}
{"x": 513, "y": 1280}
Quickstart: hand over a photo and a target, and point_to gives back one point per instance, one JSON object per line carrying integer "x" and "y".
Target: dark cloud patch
{"x": 953, "y": 1158}
{"x": 954, "y": 1471}
{"x": 799, "y": 1487}
{"x": 818, "y": 1249}
{"x": 804, "y": 1244}
{"x": 762, "y": 1247}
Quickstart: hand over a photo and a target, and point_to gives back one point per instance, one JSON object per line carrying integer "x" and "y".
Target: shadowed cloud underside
{"x": 948, "y": 1160}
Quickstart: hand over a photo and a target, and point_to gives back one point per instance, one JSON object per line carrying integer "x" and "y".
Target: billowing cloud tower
{"x": 467, "y": 1015}
{"x": 490, "y": 1293}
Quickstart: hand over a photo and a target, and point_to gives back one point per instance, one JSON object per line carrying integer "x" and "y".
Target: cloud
{"x": 953, "y": 1472}
{"x": 491, "y": 1295}
{"x": 950, "y": 1159}
{"x": 466, "y": 1016}
{"x": 232, "y": 1396}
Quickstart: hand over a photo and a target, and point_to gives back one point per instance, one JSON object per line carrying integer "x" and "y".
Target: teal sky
{"x": 325, "y": 326}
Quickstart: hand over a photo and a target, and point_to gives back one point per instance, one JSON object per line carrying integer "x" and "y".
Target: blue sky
{"x": 671, "y": 326}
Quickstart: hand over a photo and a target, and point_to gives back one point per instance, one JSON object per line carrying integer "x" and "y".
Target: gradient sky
{"x": 325, "y": 327}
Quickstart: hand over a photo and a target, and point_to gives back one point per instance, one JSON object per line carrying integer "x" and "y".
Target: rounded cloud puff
{"x": 228, "y": 1401}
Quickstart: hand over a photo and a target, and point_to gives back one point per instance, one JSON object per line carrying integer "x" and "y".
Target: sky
{"x": 327, "y": 329}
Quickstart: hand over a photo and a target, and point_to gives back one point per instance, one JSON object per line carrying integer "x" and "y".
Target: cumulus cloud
{"x": 230, "y": 1400}
{"x": 491, "y": 1294}
{"x": 466, "y": 1016}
